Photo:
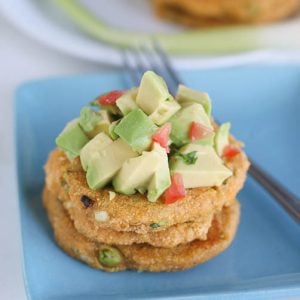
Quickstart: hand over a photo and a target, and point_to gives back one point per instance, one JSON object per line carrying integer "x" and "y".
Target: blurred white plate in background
{"x": 44, "y": 22}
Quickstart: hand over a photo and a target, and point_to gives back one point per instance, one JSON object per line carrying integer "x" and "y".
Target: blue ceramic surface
{"x": 263, "y": 105}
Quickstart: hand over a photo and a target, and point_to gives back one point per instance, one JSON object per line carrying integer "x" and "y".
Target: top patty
{"x": 135, "y": 212}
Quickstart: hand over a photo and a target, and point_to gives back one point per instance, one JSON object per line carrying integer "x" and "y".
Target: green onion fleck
{"x": 159, "y": 224}
{"x": 110, "y": 257}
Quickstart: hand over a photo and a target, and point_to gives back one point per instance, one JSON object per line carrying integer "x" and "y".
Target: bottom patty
{"x": 142, "y": 257}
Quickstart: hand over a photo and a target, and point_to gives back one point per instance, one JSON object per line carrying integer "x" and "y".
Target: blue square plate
{"x": 263, "y": 104}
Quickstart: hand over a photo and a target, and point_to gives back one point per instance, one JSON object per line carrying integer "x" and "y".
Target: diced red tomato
{"x": 110, "y": 98}
{"x": 176, "y": 190}
{"x": 198, "y": 131}
{"x": 230, "y": 151}
{"x": 161, "y": 136}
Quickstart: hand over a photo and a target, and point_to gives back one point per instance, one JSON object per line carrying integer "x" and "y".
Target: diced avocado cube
{"x": 149, "y": 171}
{"x": 152, "y": 92}
{"x": 104, "y": 123}
{"x": 186, "y": 96}
{"x": 136, "y": 173}
{"x": 111, "y": 129}
{"x": 126, "y": 103}
{"x": 101, "y": 122}
{"x": 70, "y": 155}
{"x": 182, "y": 120}
{"x": 106, "y": 163}
{"x": 72, "y": 139}
{"x": 88, "y": 119}
{"x": 99, "y": 142}
{"x": 208, "y": 140}
{"x": 206, "y": 171}
{"x": 165, "y": 111}
{"x": 161, "y": 179}
{"x": 222, "y": 138}
{"x": 142, "y": 190}
{"x": 136, "y": 129}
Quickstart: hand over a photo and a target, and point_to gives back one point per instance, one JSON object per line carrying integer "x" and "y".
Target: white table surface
{"x": 21, "y": 59}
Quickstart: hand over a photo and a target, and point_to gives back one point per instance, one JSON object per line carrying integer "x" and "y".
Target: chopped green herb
{"x": 188, "y": 158}
{"x": 88, "y": 119}
{"x": 154, "y": 225}
{"x": 159, "y": 224}
{"x": 94, "y": 103}
{"x": 173, "y": 149}
{"x": 64, "y": 184}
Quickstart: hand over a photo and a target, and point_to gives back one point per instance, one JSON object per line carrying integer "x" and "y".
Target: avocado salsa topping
{"x": 145, "y": 140}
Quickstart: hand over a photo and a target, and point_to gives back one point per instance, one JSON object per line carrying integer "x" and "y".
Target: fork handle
{"x": 277, "y": 190}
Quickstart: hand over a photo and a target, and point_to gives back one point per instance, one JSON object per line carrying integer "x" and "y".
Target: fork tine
{"x": 166, "y": 62}
{"x": 156, "y": 64}
{"x": 130, "y": 68}
{"x": 145, "y": 52}
{"x": 140, "y": 59}
{"x": 140, "y": 65}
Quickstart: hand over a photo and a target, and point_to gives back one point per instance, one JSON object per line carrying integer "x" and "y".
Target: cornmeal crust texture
{"x": 134, "y": 213}
{"x": 143, "y": 257}
{"x": 202, "y": 13}
{"x": 170, "y": 237}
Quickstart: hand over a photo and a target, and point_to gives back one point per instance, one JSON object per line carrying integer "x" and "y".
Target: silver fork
{"x": 152, "y": 57}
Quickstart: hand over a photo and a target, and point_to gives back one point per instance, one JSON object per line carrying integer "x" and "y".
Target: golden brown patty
{"x": 169, "y": 237}
{"x": 135, "y": 213}
{"x": 143, "y": 256}
{"x": 199, "y": 13}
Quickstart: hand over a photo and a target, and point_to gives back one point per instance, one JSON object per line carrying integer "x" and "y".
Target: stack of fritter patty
{"x": 114, "y": 232}
{"x": 199, "y": 13}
